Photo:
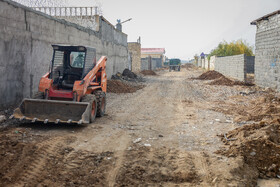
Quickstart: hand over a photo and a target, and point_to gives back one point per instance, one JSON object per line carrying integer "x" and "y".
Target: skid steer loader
{"x": 73, "y": 91}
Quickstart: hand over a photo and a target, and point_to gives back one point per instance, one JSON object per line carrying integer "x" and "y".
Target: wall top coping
{"x": 265, "y": 17}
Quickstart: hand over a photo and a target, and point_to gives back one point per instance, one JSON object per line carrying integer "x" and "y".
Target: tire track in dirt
{"x": 44, "y": 150}
{"x": 120, "y": 156}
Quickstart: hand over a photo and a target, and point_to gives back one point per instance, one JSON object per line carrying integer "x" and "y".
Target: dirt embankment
{"x": 257, "y": 143}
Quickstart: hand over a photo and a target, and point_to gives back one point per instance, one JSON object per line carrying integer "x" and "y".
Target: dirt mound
{"x": 148, "y": 72}
{"x": 117, "y": 86}
{"x": 210, "y": 75}
{"x": 129, "y": 74}
{"x": 259, "y": 144}
{"x": 227, "y": 82}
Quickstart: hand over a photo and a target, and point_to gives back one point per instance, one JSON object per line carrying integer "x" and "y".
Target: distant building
{"x": 153, "y": 52}
{"x": 267, "y": 59}
{"x": 152, "y": 58}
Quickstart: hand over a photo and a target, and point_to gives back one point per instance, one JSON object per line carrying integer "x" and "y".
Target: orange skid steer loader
{"x": 73, "y": 91}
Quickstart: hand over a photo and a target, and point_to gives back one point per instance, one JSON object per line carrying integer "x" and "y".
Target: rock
{"x": 160, "y": 136}
{"x": 253, "y": 153}
{"x": 137, "y": 140}
{"x": 2, "y": 118}
{"x": 147, "y": 145}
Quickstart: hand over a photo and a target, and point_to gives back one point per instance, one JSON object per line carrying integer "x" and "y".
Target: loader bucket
{"x": 53, "y": 111}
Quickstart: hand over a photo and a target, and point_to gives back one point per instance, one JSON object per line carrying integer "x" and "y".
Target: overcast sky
{"x": 185, "y": 27}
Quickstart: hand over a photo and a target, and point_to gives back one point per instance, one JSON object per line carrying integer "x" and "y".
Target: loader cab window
{"x": 77, "y": 59}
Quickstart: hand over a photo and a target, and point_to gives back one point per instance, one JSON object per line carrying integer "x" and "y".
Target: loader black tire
{"x": 90, "y": 98}
{"x": 101, "y": 102}
{"x": 38, "y": 95}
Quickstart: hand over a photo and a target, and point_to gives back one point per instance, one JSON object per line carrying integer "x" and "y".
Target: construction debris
{"x": 128, "y": 76}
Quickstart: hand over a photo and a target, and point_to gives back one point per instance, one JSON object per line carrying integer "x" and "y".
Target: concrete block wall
{"x": 25, "y": 48}
{"x": 267, "y": 60}
{"x": 135, "y": 50}
{"x": 232, "y": 66}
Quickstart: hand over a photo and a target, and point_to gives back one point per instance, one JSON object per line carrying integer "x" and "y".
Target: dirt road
{"x": 162, "y": 135}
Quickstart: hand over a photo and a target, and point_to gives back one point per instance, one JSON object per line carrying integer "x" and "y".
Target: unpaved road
{"x": 162, "y": 135}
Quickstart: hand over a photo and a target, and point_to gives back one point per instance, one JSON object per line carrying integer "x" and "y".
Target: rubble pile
{"x": 127, "y": 75}
{"x": 148, "y": 72}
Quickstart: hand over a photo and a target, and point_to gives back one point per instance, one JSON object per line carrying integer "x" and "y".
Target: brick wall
{"x": 267, "y": 62}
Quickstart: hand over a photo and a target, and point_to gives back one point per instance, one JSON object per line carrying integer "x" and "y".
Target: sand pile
{"x": 259, "y": 144}
{"x": 117, "y": 86}
{"x": 148, "y": 72}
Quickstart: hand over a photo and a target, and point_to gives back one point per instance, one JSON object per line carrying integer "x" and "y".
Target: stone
{"x": 2, "y": 118}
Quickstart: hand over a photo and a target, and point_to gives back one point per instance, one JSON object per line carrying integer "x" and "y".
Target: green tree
{"x": 233, "y": 48}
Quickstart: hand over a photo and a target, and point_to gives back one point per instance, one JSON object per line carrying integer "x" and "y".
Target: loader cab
{"x": 71, "y": 63}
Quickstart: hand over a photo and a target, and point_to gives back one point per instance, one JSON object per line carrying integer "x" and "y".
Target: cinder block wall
{"x": 25, "y": 48}
{"x": 135, "y": 49}
{"x": 232, "y": 66}
{"x": 267, "y": 62}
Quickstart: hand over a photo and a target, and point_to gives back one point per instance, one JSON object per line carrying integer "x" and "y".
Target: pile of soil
{"x": 258, "y": 144}
{"x": 148, "y": 72}
{"x": 210, "y": 75}
{"x": 117, "y": 86}
{"x": 220, "y": 79}
{"x": 227, "y": 82}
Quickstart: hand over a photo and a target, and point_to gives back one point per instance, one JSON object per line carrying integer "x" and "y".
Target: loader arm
{"x": 87, "y": 84}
